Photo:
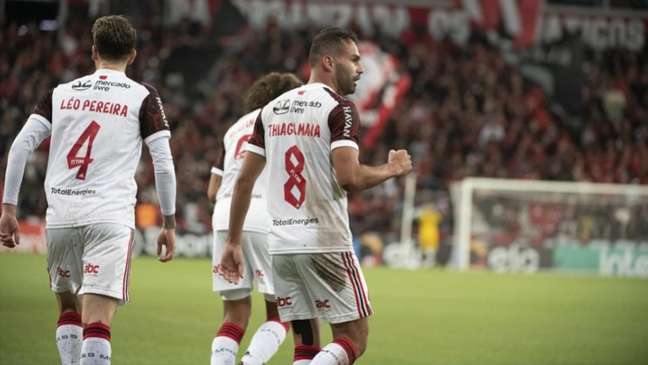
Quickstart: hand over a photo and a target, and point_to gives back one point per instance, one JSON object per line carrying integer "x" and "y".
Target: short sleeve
{"x": 256, "y": 143}
{"x": 344, "y": 123}
{"x": 44, "y": 107}
{"x": 153, "y": 122}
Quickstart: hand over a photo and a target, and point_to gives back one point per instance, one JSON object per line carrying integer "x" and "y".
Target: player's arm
{"x": 214, "y": 185}
{"x": 253, "y": 164}
{"x": 354, "y": 176}
{"x": 344, "y": 123}
{"x": 232, "y": 260}
{"x": 165, "y": 186}
{"x": 35, "y": 130}
{"x": 155, "y": 130}
{"x": 216, "y": 176}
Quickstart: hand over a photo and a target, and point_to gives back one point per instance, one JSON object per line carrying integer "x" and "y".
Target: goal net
{"x": 525, "y": 226}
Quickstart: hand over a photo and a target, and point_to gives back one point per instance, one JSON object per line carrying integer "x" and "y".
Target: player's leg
{"x": 349, "y": 342}
{"x": 237, "y": 307}
{"x": 270, "y": 335}
{"x": 337, "y": 285}
{"x": 307, "y": 340}
{"x": 97, "y": 315}
{"x": 106, "y": 270}
{"x": 296, "y": 305}
{"x": 64, "y": 268}
{"x": 69, "y": 329}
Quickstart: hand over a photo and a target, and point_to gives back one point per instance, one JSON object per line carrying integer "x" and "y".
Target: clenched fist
{"x": 400, "y": 161}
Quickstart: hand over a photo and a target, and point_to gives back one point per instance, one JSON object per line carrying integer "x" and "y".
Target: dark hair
{"x": 269, "y": 87}
{"x": 329, "y": 41}
{"x": 113, "y": 36}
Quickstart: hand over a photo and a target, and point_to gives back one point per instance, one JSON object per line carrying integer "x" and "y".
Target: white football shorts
{"x": 329, "y": 286}
{"x": 256, "y": 268}
{"x": 92, "y": 259}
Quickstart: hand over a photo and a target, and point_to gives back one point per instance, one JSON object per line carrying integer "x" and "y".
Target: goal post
{"x": 405, "y": 253}
{"x": 508, "y": 225}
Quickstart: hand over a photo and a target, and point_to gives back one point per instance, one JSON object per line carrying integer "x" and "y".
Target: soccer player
{"x": 308, "y": 139}
{"x": 236, "y": 297}
{"x": 97, "y": 124}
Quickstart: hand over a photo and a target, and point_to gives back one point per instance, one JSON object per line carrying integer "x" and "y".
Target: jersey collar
{"x": 108, "y": 71}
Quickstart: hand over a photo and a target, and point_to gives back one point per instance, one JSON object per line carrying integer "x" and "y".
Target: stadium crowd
{"x": 468, "y": 112}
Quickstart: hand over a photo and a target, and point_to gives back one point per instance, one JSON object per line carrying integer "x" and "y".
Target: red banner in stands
{"x": 379, "y": 90}
{"x": 522, "y": 23}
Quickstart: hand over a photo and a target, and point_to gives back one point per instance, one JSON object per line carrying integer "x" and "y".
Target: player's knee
{"x": 68, "y": 302}
{"x": 237, "y": 317}
{"x": 237, "y": 312}
{"x": 272, "y": 312}
{"x": 358, "y": 334}
{"x": 360, "y": 343}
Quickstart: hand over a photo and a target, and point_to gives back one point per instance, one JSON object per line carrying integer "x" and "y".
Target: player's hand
{"x": 9, "y": 226}
{"x": 166, "y": 239}
{"x": 232, "y": 263}
{"x": 400, "y": 161}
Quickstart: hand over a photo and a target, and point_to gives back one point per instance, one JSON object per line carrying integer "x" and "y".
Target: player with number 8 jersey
{"x": 307, "y": 139}
{"x": 296, "y": 133}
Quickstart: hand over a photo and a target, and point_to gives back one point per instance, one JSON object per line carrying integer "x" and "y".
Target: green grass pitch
{"x": 423, "y": 317}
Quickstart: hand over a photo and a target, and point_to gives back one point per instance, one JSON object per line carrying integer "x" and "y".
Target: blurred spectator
{"x": 468, "y": 112}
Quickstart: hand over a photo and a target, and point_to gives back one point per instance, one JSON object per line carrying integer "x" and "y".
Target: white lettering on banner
{"x": 454, "y": 24}
{"x": 515, "y": 258}
{"x": 329, "y": 14}
{"x": 392, "y": 20}
{"x": 624, "y": 263}
{"x": 599, "y": 32}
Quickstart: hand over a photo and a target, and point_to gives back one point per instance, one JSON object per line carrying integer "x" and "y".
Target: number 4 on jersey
{"x": 73, "y": 160}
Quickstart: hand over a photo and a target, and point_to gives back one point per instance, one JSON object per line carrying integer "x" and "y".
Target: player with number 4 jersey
{"x": 96, "y": 144}
{"x": 97, "y": 125}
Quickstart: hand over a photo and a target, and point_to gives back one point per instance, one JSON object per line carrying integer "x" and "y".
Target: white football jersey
{"x": 98, "y": 124}
{"x": 296, "y": 133}
{"x": 229, "y": 166}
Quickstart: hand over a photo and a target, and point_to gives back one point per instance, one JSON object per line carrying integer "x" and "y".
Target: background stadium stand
{"x": 468, "y": 112}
